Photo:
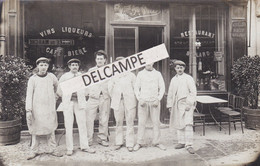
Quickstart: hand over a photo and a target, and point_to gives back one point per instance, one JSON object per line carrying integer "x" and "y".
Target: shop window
{"x": 210, "y": 25}
{"x": 64, "y": 30}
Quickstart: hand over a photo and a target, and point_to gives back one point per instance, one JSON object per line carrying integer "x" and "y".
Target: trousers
{"x": 82, "y": 126}
{"x": 119, "y": 117}
{"x": 185, "y": 135}
{"x": 103, "y": 105}
{"x": 143, "y": 114}
{"x": 51, "y": 142}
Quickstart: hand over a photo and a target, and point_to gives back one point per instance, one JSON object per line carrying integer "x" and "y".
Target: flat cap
{"x": 179, "y": 62}
{"x": 100, "y": 52}
{"x": 73, "y": 60}
{"x": 42, "y": 59}
{"x": 119, "y": 58}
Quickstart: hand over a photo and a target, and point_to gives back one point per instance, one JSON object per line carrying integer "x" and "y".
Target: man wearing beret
{"x": 181, "y": 102}
{"x": 74, "y": 103}
{"x": 99, "y": 99}
{"x": 123, "y": 102}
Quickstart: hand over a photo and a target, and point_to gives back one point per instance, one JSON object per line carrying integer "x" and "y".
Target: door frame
{"x": 164, "y": 24}
{"x": 112, "y": 57}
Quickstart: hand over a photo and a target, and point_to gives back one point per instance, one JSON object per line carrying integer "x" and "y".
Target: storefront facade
{"x": 208, "y": 35}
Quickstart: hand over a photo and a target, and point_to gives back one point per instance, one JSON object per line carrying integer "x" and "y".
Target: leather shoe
{"x": 117, "y": 147}
{"x": 179, "y": 146}
{"x": 190, "y": 150}
{"x": 89, "y": 150}
{"x": 160, "y": 146}
{"x": 137, "y": 147}
{"x": 69, "y": 152}
{"x": 130, "y": 149}
{"x": 32, "y": 156}
{"x": 104, "y": 143}
{"x": 56, "y": 154}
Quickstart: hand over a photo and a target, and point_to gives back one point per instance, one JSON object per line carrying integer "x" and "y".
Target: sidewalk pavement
{"x": 215, "y": 148}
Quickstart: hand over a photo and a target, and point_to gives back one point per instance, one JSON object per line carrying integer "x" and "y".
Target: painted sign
{"x": 61, "y": 44}
{"x": 70, "y": 30}
{"x": 239, "y": 29}
{"x": 106, "y": 72}
{"x": 51, "y": 42}
{"x": 218, "y": 56}
{"x": 137, "y": 12}
{"x": 198, "y": 32}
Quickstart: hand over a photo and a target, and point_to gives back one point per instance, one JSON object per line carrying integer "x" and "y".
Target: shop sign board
{"x": 239, "y": 29}
{"x": 218, "y": 55}
{"x": 137, "y": 12}
{"x": 199, "y": 33}
{"x": 111, "y": 70}
{"x": 51, "y": 42}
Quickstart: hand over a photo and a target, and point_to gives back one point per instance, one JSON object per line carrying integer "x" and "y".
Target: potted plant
{"x": 13, "y": 81}
{"x": 246, "y": 76}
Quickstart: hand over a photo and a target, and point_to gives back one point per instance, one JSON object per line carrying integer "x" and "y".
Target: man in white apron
{"x": 40, "y": 108}
{"x": 181, "y": 102}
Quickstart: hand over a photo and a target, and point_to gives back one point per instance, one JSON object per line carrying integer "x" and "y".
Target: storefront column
{"x": 2, "y": 29}
{"x": 10, "y": 27}
{"x": 237, "y": 35}
{"x": 253, "y": 17}
{"x": 192, "y": 41}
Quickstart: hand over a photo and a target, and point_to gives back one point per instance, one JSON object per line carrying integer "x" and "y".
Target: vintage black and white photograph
{"x": 130, "y": 82}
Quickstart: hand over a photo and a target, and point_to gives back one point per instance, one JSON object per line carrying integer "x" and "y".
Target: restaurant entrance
{"x": 135, "y": 27}
{"x": 128, "y": 40}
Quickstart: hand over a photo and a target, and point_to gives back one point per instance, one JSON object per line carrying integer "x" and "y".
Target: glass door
{"x": 125, "y": 41}
{"x": 150, "y": 37}
{"x": 130, "y": 40}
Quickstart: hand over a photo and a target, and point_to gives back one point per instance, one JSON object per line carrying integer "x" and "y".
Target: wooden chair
{"x": 198, "y": 120}
{"x": 230, "y": 106}
{"x": 234, "y": 115}
{"x": 231, "y": 103}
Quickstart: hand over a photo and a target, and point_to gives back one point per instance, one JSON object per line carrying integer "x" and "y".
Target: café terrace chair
{"x": 231, "y": 104}
{"x": 198, "y": 120}
{"x": 234, "y": 115}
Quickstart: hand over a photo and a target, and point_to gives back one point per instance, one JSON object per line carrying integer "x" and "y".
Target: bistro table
{"x": 210, "y": 101}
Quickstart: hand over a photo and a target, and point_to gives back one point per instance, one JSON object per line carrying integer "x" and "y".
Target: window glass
{"x": 124, "y": 41}
{"x": 210, "y": 43}
{"x": 64, "y": 31}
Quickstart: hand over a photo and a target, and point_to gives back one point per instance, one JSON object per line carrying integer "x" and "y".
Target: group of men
{"x": 124, "y": 93}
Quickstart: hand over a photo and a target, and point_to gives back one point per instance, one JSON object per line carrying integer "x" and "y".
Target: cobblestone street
{"x": 216, "y": 148}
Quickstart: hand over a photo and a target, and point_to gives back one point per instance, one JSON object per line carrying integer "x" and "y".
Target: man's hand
{"x": 170, "y": 109}
{"x": 156, "y": 103}
{"x": 187, "y": 108}
{"x": 29, "y": 117}
{"x": 57, "y": 96}
{"x": 142, "y": 103}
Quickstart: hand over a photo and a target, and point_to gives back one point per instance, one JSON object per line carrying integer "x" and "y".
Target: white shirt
{"x": 149, "y": 85}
